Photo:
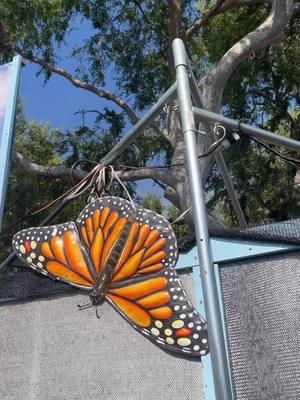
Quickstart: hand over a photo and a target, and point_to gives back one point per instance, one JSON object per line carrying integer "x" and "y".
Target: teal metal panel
{"x": 6, "y": 138}
{"x": 208, "y": 382}
{"x": 225, "y": 250}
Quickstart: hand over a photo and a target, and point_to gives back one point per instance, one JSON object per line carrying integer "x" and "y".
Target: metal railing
{"x": 186, "y": 90}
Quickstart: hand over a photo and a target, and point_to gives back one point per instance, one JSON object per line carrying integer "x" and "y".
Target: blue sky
{"x": 56, "y": 101}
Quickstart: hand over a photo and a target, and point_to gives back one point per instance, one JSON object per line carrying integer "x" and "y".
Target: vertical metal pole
{"x": 6, "y": 138}
{"x": 214, "y": 319}
{"x": 218, "y": 156}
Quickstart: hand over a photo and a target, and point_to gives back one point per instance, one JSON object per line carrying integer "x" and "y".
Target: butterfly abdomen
{"x": 105, "y": 276}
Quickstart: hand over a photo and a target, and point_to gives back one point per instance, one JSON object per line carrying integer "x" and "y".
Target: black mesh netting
{"x": 19, "y": 283}
{"x": 50, "y": 351}
{"x": 262, "y": 310}
{"x": 280, "y": 232}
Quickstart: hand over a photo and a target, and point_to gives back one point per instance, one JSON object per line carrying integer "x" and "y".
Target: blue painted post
{"x": 207, "y": 370}
{"x": 6, "y": 138}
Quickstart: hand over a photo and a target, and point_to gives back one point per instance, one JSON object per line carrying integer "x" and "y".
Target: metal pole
{"x": 114, "y": 153}
{"x": 230, "y": 189}
{"x": 140, "y": 125}
{"x": 7, "y": 135}
{"x": 219, "y": 156}
{"x": 12, "y": 257}
{"x": 210, "y": 294}
{"x": 258, "y": 133}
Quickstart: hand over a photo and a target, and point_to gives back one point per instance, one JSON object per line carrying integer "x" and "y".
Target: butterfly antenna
{"x": 84, "y": 306}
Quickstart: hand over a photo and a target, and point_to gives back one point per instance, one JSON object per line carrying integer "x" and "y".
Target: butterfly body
{"x": 105, "y": 276}
{"x": 127, "y": 257}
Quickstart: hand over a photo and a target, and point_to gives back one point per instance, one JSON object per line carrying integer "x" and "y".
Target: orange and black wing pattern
{"x": 56, "y": 251}
{"x": 150, "y": 246}
{"x": 145, "y": 289}
{"x": 159, "y": 308}
{"x": 74, "y": 253}
{"x": 100, "y": 225}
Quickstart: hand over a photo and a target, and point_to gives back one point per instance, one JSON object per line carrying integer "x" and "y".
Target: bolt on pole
{"x": 214, "y": 320}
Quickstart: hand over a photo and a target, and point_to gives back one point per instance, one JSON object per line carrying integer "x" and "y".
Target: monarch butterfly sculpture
{"x": 126, "y": 256}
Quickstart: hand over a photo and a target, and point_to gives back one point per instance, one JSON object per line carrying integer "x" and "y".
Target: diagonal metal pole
{"x": 125, "y": 142}
{"x": 219, "y": 156}
{"x": 214, "y": 320}
{"x": 138, "y": 128}
{"x": 63, "y": 204}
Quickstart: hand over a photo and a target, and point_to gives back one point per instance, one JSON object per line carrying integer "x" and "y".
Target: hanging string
{"x": 99, "y": 185}
{"x": 115, "y": 176}
{"x": 72, "y": 193}
{"x": 289, "y": 160}
{"x": 181, "y": 216}
{"x": 96, "y": 180}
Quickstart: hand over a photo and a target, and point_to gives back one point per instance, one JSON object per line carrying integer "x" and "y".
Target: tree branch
{"x": 175, "y": 11}
{"x": 198, "y": 23}
{"x": 148, "y": 173}
{"x": 269, "y": 32}
{"x": 174, "y": 27}
{"x": 220, "y": 7}
{"x": 52, "y": 171}
{"x": 67, "y": 174}
{"x": 80, "y": 84}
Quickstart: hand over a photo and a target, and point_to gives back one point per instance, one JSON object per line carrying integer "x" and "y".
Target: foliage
{"x": 40, "y": 27}
{"x": 181, "y": 231}
{"x": 264, "y": 90}
{"x": 266, "y": 185}
{"x": 152, "y": 202}
{"x": 27, "y": 192}
{"x": 37, "y": 24}
{"x": 129, "y": 42}
{"x": 265, "y": 86}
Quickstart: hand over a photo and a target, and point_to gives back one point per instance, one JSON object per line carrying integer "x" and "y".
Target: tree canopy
{"x": 245, "y": 54}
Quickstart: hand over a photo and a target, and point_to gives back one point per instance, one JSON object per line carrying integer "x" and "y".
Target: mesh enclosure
{"x": 281, "y": 232}
{"x": 110, "y": 360}
{"x": 18, "y": 283}
{"x": 262, "y": 311}
{"x": 51, "y": 351}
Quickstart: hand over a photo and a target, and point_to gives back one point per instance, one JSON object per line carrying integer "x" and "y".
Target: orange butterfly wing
{"x": 69, "y": 252}
{"x": 56, "y": 251}
{"x": 100, "y": 225}
{"x": 150, "y": 246}
{"x": 159, "y": 308}
{"x": 146, "y": 289}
